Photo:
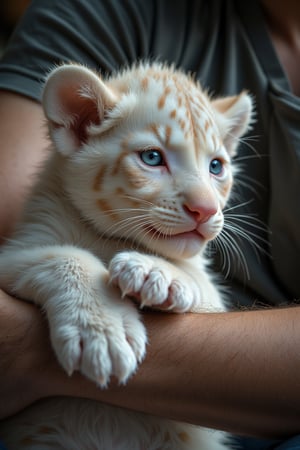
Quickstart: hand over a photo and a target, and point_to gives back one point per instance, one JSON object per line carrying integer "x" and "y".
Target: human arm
{"x": 23, "y": 148}
{"x": 236, "y": 371}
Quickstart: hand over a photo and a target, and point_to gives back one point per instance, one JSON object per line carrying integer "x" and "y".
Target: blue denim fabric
{"x": 2, "y": 446}
{"x": 241, "y": 443}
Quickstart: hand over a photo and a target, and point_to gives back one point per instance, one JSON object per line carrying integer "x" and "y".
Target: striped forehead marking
{"x": 189, "y": 108}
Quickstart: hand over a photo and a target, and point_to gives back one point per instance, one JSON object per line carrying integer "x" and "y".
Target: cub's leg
{"x": 92, "y": 329}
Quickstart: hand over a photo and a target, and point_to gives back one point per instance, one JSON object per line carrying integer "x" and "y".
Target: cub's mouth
{"x": 156, "y": 234}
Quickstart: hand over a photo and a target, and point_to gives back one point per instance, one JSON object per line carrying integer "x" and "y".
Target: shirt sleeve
{"x": 101, "y": 34}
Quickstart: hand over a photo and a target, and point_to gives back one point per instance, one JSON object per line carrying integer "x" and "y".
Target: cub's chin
{"x": 177, "y": 246}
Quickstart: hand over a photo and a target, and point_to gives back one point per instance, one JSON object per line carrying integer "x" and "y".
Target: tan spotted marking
{"x": 118, "y": 162}
{"x": 168, "y": 135}
{"x": 206, "y": 125}
{"x": 120, "y": 192}
{"x": 134, "y": 203}
{"x": 173, "y": 114}
{"x": 183, "y": 436}
{"x": 154, "y": 129}
{"x": 162, "y": 99}
{"x": 182, "y": 124}
{"x": 225, "y": 188}
{"x": 145, "y": 83}
{"x": 98, "y": 180}
{"x": 135, "y": 177}
{"x": 106, "y": 208}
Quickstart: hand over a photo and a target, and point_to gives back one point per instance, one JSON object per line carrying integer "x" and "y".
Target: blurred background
{"x": 10, "y": 12}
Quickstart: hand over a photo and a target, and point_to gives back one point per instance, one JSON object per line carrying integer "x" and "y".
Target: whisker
{"x": 238, "y": 158}
{"x": 249, "y": 220}
{"x": 245, "y": 141}
{"x": 240, "y": 205}
{"x": 238, "y": 229}
{"x": 132, "y": 224}
{"x": 247, "y": 236}
{"x": 141, "y": 200}
{"x": 242, "y": 176}
{"x": 228, "y": 247}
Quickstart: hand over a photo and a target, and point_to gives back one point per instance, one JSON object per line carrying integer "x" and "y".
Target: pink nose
{"x": 201, "y": 212}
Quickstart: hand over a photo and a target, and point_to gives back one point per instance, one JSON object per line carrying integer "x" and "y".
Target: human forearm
{"x": 236, "y": 371}
{"x": 24, "y": 353}
{"x": 22, "y": 149}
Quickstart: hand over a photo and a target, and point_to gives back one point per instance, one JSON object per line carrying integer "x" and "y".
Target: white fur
{"x": 85, "y": 424}
{"x": 80, "y": 264}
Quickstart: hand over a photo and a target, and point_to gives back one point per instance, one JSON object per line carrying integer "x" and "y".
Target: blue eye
{"x": 216, "y": 167}
{"x": 152, "y": 157}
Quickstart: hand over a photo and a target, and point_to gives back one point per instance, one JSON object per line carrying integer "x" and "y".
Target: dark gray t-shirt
{"x": 226, "y": 44}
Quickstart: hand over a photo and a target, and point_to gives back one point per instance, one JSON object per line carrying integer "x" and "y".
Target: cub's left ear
{"x": 234, "y": 117}
{"x": 74, "y": 99}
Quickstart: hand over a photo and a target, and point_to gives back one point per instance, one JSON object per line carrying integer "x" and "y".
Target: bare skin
{"x": 236, "y": 371}
{"x": 22, "y": 151}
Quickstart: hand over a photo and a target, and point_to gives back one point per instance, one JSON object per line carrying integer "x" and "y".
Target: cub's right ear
{"x": 74, "y": 99}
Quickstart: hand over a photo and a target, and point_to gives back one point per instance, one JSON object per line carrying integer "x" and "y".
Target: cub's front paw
{"x": 102, "y": 340}
{"x": 154, "y": 282}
